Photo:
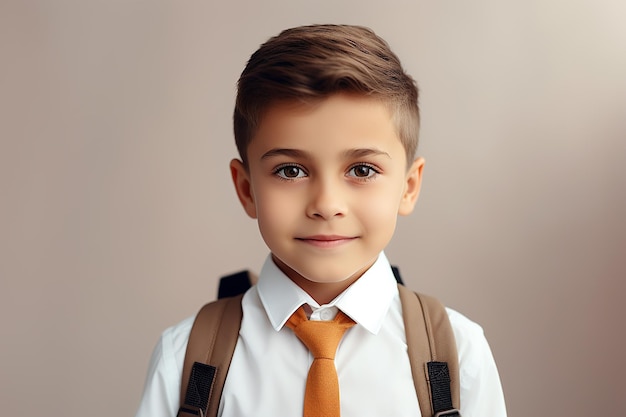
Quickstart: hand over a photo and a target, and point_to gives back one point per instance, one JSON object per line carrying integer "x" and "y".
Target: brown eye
{"x": 290, "y": 172}
{"x": 362, "y": 171}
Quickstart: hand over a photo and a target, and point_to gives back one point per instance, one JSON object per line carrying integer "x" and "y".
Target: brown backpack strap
{"x": 215, "y": 331}
{"x": 209, "y": 351}
{"x": 431, "y": 344}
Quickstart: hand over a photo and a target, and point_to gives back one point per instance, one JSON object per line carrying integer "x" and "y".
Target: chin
{"x": 329, "y": 276}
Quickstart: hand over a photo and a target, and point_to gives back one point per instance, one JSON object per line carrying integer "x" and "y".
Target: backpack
{"x": 430, "y": 340}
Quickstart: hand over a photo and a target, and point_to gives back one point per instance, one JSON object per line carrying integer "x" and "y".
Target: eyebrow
{"x": 349, "y": 154}
{"x": 364, "y": 152}
{"x": 294, "y": 153}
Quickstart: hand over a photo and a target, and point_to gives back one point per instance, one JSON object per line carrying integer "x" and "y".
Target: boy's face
{"x": 326, "y": 183}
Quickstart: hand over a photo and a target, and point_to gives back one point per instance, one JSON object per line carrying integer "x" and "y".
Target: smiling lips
{"x": 326, "y": 241}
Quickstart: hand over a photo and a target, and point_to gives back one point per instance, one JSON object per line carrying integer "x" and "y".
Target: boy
{"x": 326, "y": 125}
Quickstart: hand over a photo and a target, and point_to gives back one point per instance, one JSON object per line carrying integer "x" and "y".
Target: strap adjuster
{"x": 189, "y": 410}
{"x": 448, "y": 413}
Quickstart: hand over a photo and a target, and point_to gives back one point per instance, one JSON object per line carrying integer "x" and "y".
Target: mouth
{"x": 326, "y": 241}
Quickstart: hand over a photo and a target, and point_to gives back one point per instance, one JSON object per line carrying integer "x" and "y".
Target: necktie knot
{"x": 320, "y": 337}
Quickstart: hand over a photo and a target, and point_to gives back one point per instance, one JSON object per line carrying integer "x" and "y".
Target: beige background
{"x": 117, "y": 213}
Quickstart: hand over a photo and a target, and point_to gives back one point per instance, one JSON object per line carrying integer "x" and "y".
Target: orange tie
{"x": 321, "y": 396}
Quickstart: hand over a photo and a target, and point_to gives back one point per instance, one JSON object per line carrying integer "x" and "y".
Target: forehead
{"x": 333, "y": 124}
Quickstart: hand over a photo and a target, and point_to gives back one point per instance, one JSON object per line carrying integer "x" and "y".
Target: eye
{"x": 290, "y": 172}
{"x": 362, "y": 171}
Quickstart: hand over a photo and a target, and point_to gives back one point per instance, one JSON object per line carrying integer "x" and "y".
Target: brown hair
{"x": 309, "y": 63}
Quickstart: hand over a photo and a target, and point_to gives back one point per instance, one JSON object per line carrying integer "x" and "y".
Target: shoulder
{"x": 481, "y": 390}
{"x": 464, "y": 329}
{"x": 169, "y": 352}
{"x": 162, "y": 386}
{"x": 472, "y": 346}
{"x": 175, "y": 338}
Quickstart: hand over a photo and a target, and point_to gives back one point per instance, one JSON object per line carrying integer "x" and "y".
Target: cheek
{"x": 275, "y": 209}
{"x": 380, "y": 214}
{"x": 384, "y": 200}
{"x": 380, "y": 211}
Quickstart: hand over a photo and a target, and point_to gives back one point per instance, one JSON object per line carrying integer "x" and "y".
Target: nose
{"x": 327, "y": 200}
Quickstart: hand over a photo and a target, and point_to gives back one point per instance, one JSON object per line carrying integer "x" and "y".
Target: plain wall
{"x": 117, "y": 213}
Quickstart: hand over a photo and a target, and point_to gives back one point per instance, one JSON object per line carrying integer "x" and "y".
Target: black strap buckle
{"x": 448, "y": 413}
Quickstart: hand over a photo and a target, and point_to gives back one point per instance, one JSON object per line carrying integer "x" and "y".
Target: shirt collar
{"x": 366, "y": 301}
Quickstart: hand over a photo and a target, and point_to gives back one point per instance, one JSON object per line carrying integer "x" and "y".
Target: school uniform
{"x": 269, "y": 367}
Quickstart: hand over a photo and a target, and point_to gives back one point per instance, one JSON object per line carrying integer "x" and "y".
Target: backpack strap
{"x": 432, "y": 354}
{"x": 430, "y": 340}
{"x": 209, "y": 351}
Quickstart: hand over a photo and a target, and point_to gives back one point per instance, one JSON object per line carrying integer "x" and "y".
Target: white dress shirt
{"x": 268, "y": 372}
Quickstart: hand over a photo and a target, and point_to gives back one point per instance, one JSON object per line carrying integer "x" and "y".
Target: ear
{"x": 411, "y": 187}
{"x": 241, "y": 180}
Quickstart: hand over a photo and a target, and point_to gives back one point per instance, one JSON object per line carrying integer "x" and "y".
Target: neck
{"x": 321, "y": 292}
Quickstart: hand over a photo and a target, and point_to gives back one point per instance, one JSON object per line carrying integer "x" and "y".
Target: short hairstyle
{"x": 310, "y": 63}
